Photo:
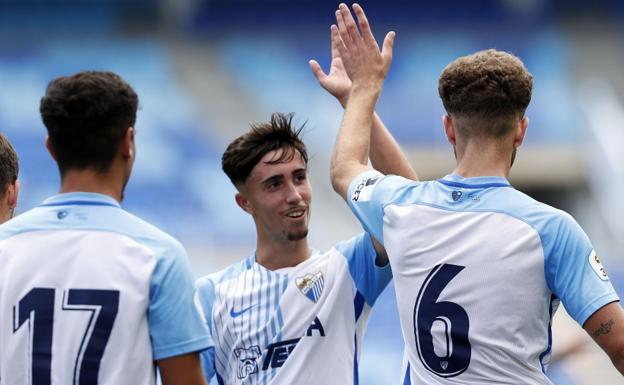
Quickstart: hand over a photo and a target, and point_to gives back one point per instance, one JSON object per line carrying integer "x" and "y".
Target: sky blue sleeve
{"x": 370, "y": 279}
{"x": 205, "y": 300}
{"x": 369, "y": 193}
{"x": 573, "y": 271}
{"x": 176, "y": 327}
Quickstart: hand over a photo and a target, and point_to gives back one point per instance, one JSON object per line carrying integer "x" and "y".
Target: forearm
{"x": 350, "y": 154}
{"x": 385, "y": 153}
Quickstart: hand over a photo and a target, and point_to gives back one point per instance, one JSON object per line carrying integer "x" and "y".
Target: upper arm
{"x": 606, "y": 327}
{"x": 342, "y": 176}
{"x": 181, "y": 370}
{"x": 370, "y": 279}
{"x": 176, "y": 326}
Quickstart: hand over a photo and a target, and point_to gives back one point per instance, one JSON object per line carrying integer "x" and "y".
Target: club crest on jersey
{"x": 311, "y": 285}
{"x": 594, "y": 262}
{"x": 456, "y": 195}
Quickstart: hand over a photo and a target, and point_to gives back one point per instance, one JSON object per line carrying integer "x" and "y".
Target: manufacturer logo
{"x": 364, "y": 190}
{"x": 456, "y": 195}
{"x": 311, "y": 285}
{"x": 247, "y": 360}
{"x": 235, "y": 314}
{"x": 594, "y": 262}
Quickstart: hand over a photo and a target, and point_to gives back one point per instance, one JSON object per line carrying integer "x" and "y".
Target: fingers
{"x": 336, "y": 41}
{"x": 317, "y": 70}
{"x": 365, "y": 30}
{"x": 388, "y": 44}
{"x": 337, "y": 37}
{"x": 342, "y": 28}
{"x": 351, "y": 28}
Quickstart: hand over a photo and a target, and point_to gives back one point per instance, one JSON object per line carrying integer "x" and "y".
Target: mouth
{"x": 296, "y": 213}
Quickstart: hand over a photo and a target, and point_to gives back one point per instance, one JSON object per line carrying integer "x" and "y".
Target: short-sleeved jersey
{"x": 301, "y": 325}
{"x": 479, "y": 269}
{"x": 90, "y": 294}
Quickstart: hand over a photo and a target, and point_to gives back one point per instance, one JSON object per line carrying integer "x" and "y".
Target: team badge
{"x": 456, "y": 195}
{"x": 311, "y": 285}
{"x": 594, "y": 262}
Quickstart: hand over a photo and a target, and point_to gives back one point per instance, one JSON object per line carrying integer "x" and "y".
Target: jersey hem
{"x": 186, "y": 347}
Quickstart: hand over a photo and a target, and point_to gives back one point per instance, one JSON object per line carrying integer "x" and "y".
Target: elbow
{"x": 618, "y": 360}
{"x": 335, "y": 175}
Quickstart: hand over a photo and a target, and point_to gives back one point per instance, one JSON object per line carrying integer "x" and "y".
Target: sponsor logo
{"x": 594, "y": 262}
{"x": 456, "y": 195}
{"x": 311, "y": 285}
{"x": 235, "y": 314}
{"x": 364, "y": 190}
{"x": 247, "y": 361}
{"x": 278, "y": 352}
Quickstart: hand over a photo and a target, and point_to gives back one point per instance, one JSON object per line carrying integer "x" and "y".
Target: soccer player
{"x": 90, "y": 294}
{"x": 479, "y": 268}
{"x": 9, "y": 185}
{"x": 288, "y": 314}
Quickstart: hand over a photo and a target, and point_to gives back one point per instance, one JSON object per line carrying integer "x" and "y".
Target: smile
{"x": 296, "y": 214}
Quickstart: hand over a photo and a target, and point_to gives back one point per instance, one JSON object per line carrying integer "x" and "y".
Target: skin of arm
{"x": 606, "y": 327}
{"x": 367, "y": 67}
{"x": 181, "y": 370}
{"x": 385, "y": 153}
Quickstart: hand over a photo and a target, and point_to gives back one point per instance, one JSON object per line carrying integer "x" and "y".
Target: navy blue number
{"x": 450, "y": 316}
{"x": 40, "y": 302}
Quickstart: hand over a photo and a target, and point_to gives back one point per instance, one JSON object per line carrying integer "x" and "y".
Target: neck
{"x": 483, "y": 159}
{"x": 88, "y": 180}
{"x": 276, "y": 254}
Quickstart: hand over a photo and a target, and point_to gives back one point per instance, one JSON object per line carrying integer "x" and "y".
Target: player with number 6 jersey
{"x": 479, "y": 268}
{"x": 90, "y": 294}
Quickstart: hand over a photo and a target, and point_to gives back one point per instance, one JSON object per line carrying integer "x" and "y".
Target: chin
{"x": 297, "y": 236}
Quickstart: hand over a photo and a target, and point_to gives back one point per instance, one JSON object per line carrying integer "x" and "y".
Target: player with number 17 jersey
{"x": 90, "y": 294}
{"x": 477, "y": 308}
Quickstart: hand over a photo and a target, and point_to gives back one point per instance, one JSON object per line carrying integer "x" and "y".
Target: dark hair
{"x": 487, "y": 91}
{"x": 242, "y": 155}
{"x": 87, "y": 116}
{"x": 9, "y": 164}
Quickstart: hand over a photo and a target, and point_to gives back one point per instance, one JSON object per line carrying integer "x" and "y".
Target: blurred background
{"x": 205, "y": 69}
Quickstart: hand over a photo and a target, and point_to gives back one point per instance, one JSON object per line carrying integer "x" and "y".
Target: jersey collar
{"x": 81, "y": 199}
{"x": 455, "y": 180}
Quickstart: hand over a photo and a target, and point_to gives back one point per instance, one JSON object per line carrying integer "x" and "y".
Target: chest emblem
{"x": 311, "y": 285}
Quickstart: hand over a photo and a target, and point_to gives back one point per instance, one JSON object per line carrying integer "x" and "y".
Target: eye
{"x": 273, "y": 185}
{"x": 301, "y": 177}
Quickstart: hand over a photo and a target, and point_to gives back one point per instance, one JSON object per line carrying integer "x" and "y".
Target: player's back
{"x": 478, "y": 270}
{"x": 80, "y": 277}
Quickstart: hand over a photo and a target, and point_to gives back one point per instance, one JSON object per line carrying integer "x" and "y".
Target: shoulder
{"x": 209, "y": 282}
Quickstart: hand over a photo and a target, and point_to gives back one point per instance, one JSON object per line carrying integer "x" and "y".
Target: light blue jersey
{"x": 91, "y": 294}
{"x": 300, "y": 325}
{"x": 479, "y": 269}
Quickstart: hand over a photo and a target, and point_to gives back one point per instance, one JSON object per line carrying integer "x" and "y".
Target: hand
{"x": 362, "y": 60}
{"x": 337, "y": 82}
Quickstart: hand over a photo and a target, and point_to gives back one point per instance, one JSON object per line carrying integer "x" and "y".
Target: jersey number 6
{"x": 447, "y": 320}
{"x": 37, "y": 307}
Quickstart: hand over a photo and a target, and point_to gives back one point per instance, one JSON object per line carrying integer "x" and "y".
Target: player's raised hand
{"x": 364, "y": 63}
{"x": 337, "y": 82}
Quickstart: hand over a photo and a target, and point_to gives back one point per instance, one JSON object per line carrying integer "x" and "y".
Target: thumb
{"x": 317, "y": 70}
{"x": 388, "y": 44}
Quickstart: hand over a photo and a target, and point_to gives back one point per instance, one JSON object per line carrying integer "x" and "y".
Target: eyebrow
{"x": 281, "y": 177}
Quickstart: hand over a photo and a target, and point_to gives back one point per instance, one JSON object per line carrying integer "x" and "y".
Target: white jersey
{"x": 90, "y": 294}
{"x": 301, "y": 325}
{"x": 479, "y": 269}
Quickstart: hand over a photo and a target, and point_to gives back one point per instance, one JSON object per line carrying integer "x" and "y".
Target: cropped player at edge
{"x": 479, "y": 268}
{"x": 9, "y": 185}
{"x": 90, "y": 294}
{"x": 288, "y": 314}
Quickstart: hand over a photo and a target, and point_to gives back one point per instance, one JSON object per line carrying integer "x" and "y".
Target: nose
{"x": 293, "y": 195}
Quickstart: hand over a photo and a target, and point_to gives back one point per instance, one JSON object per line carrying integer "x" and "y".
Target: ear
{"x": 521, "y": 131}
{"x": 127, "y": 144}
{"x": 449, "y": 129}
{"x": 48, "y": 145}
{"x": 244, "y": 203}
{"x": 12, "y": 193}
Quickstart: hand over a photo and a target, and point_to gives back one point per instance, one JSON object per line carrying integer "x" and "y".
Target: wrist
{"x": 367, "y": 87}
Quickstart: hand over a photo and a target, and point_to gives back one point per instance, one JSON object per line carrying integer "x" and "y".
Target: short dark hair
{"x": 242, "y": 155}
{"x": 87, "y": 116}
{"x": 9, "y": 164}
{"x": 488, "y": 90}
